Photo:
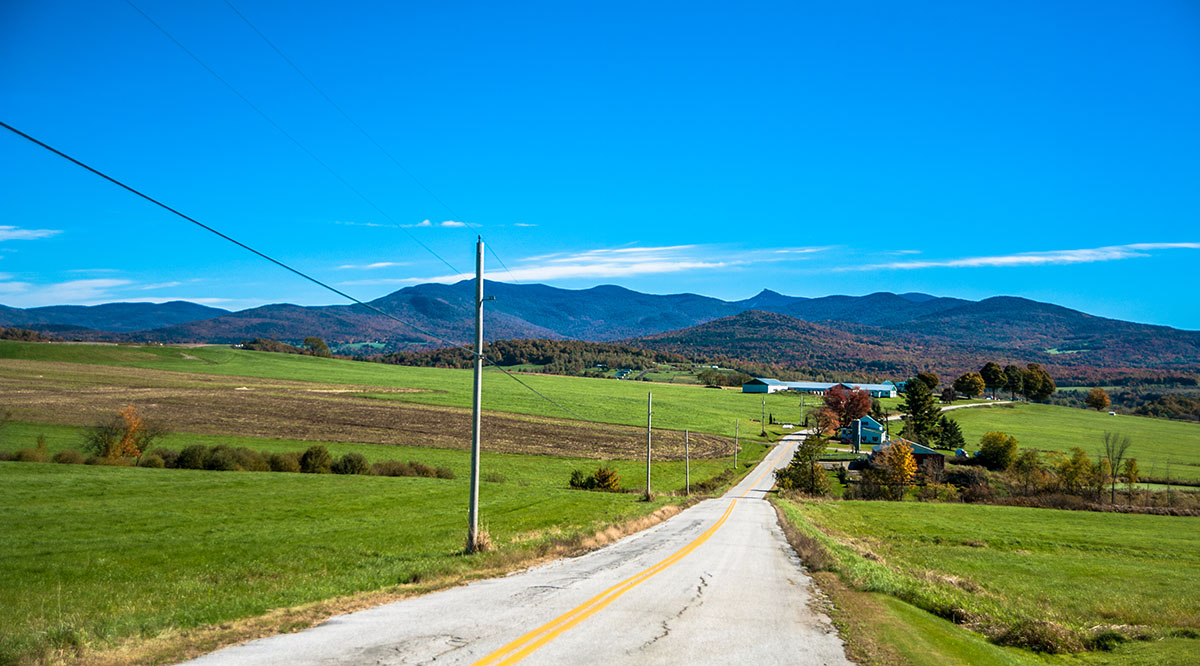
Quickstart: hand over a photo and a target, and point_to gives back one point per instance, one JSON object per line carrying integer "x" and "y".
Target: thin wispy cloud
{"x": 160, "y": 285}
{"x": 1052, "y": 257}
{"x": 374, "y": 266}
{"x": 83, "y": 292}
{"x": 426, "y": 224}
{"x": 9, "y": 232}
{"x": 93, "y": 270}
{"x": 803, "y": 250}
{"x": 523, "y": 224}
{"x": 359, "y": 224}
{"x": 168, "y": 299}
{"x": 599, "y": 263}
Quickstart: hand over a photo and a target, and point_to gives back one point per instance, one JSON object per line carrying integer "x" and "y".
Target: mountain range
{"x": 883, "y": 331}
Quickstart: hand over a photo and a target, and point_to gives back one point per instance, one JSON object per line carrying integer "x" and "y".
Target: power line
{"x": 287, "y": 134}
{"x": 286, "y": 267}
{"x": 291, "y": 63}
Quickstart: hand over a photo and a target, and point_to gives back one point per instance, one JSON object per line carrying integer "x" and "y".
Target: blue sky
{"x": 1047, "y": 150}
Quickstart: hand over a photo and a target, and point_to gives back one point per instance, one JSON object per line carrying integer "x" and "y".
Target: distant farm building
{"x": 767, "y": 385}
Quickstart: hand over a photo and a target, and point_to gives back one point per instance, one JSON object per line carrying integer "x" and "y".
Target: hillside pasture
{"x": 676, "y": 407}
{"x": 1003, "y": 568}
{"x": 1157, "y": 443}
{"x": 94, "y": 556}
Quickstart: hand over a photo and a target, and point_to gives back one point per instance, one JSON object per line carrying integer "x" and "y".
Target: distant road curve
{"x": 897, "y": 417}
{"x": 716, "y": 584}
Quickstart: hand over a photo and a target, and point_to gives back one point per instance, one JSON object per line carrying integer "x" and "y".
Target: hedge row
{"x": 222, "y": 458}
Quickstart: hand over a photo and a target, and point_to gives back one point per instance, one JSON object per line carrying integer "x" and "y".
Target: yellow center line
{"x": 532, "y": 641}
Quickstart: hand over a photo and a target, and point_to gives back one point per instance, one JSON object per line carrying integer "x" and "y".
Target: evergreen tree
{"x": 920, "y": 410}
{"x": 950, "y": 435}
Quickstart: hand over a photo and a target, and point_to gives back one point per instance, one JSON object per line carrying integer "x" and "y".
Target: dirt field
{"x": 73, "y": 394}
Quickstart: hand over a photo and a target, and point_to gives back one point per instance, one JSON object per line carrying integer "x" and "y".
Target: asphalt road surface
{"x": 716, "y": 584}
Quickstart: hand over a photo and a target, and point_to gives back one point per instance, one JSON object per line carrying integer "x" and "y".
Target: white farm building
{"x": 767, "y": 385}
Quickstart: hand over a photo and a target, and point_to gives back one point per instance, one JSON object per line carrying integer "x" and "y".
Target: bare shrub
{"x": 28, "y": 455}
{"x": 444, "y": 473}
{"x": 69, "y": 457}
{"x": 284, "y": 462}
{"x": 316, "y": 460}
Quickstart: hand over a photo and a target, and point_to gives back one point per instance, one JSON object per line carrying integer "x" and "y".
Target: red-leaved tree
{"x": 847, "y": 404}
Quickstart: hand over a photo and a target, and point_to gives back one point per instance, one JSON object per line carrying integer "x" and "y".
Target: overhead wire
{"x": 287, "y": 134}
{"x": 286, "y": 267}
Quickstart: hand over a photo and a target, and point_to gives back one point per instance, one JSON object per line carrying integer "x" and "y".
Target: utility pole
{"x": 687, "y": 464}
{"x": 473, "y": 512}
{"x": 763, "y": 421}
{"x": 649, "y": 414}
{"x": 736, "y": 424}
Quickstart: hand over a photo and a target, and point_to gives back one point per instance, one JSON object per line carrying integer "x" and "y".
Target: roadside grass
{"x": 676, "y": 407}
{"x": 1035, "y": 578}
{"x": 1156, "y": 442}
{"x": 550, "y": 471}
{"x": 98, "y": 556}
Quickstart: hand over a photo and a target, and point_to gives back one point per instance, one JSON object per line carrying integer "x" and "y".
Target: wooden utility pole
{"x": 687, "y": 464}
{"x": 649, "y": 414}
{"x": 736, "y": 425}
{"x": 473, "y": 511}
{"x": 763, "y": 421}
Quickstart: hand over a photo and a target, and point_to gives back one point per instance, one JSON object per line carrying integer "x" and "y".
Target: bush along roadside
{"x": 1000, "y": 623}
{"x": 221, "y": 458}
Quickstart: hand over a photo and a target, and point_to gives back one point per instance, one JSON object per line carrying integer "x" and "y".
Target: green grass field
{"x": 1156, "y": 442}
{"x": 98, "y": 554}
{"x": 1007, "y": 566}
{"x": 676, "y": 407}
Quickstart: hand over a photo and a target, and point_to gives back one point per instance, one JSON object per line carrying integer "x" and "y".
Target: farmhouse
{"x": 767, "y": 385}
{"x": 869, "y": 431}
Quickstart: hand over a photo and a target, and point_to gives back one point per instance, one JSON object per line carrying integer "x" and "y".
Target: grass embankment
{"x": 1156, "y": 442}
{"x": 1036, "y": 578}
{"x": 96, "y": 556}
{"x": 676, "y": 407}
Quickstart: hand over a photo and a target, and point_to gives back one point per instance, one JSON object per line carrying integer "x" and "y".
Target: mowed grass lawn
{"x": 1005, "y": 566}
{"x": 676, "y": 407}
{"x": 93, "y": 555}
{"x": 1156, "y": 442}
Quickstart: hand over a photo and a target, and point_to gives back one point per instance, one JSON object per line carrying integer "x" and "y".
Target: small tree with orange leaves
{"x": 898, "y": 466}
{"x": 126, "y": 434}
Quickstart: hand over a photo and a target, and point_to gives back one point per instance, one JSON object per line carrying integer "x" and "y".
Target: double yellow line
{"x": 534, "y": 640}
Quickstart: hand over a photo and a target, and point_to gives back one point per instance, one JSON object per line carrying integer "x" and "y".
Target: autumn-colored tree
{"x": 898, "y": 466}
{"x": 827, "y": 422}
{"x": 847, "y": 404}
{"x": 993, "y": 376}
{"x": 1039, "y": 385}
{"x": 1098, "y": 399}
{"x": 1073, "y": 472}
{"x": 126, "y": 434}
{"x": 970, "y": 384}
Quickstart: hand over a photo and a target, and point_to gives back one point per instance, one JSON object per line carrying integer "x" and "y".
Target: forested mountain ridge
{"x": 876, "y": 332}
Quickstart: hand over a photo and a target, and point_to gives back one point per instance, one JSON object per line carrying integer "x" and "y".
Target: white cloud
{"x": 368, "y": 267}
{"x": 452, "y": 224}
{"x": 600, "y": 263}
{"x": 9, "y": 232}
{"x": 359, "y": 224}
{"x": 161, "y": 285}
{"x": 803, "y": 250}
{"x": 523, "y": 224}
{"x": 81, "y": 292}
{"x": 1052, "y": 257}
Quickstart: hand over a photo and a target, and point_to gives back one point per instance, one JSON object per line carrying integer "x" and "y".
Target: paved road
{"x": 714, "y": 585}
